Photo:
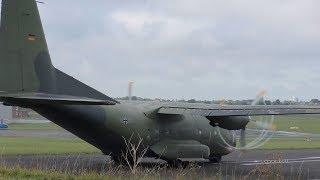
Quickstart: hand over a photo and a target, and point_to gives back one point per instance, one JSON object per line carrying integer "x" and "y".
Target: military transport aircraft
{"x": 170, "y": 131}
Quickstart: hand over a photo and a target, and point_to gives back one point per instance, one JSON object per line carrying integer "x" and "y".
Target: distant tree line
{"x": 135, "y": 98}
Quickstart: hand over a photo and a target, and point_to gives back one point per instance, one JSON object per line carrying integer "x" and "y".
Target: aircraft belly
{"x": 175, "y": 149}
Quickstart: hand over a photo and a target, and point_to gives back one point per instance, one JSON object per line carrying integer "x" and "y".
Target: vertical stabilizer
{"x": 25, "y": 64}
{"x": 23, "y": 45}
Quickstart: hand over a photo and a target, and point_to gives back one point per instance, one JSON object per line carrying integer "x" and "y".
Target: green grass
{"x": 305, "y": 123}
{"x": 193, "y": 171}
{"x": 43, "y": 126}
{"x": 296, "y": 143}
{"x": 20, "y": 173}
{"x": 116, "y": 173}
{"x": 32, "y": 146}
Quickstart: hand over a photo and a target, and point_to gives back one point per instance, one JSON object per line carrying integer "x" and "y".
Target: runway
{"x": 288, "y": 163}
{"x": 60, "y": 133}
{"x": 292, "y": 164}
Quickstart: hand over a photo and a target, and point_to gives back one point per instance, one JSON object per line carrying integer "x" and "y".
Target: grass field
{"x": 305, "y": 123}
{"x": 292, "y": 143}
{"x": 43, "y": 126}
{"x": 20, "y": 173}
{"x": 117, "y": 172}
{"x": 32, "y": 145}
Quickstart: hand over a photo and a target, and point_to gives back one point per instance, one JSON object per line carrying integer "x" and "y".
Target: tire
{"x": 215, "y": 158}
{"x": 177, "y": 163}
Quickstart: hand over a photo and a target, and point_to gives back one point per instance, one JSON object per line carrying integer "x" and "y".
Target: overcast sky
{"x": 183, "y": 49}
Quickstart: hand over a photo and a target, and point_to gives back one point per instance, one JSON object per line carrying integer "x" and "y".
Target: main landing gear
{"x": 177, "y": 163}
{"x": 184, "y": 164}
{"x": 215, "y": 158}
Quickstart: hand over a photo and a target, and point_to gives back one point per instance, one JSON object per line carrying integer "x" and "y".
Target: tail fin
{"x": 25, "y": 64}
{"x": 22, "y": 45}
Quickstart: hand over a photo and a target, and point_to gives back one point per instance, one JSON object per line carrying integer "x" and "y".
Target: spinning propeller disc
{"x": 261, "y": 128}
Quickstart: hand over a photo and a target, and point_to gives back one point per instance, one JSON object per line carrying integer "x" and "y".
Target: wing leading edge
{"x": 220, "y": 111}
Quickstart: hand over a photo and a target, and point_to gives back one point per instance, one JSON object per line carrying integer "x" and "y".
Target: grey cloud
{"x": 186, "y": 48}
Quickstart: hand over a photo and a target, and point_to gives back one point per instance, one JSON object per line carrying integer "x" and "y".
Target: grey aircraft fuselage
{"x": 106, "y": 127}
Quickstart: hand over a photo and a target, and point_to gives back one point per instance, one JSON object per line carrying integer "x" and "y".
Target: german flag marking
{"x": 32, "y": 37}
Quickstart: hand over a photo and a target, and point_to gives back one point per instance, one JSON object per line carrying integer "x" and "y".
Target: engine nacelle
{"x": 230, "y": 122}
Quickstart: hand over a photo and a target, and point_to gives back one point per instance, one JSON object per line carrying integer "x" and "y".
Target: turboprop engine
{"x": 230, "y": 122}
{"x": 263, "y": 124}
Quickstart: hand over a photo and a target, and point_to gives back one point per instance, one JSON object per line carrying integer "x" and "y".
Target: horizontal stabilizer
{"x": 43, "y": 98}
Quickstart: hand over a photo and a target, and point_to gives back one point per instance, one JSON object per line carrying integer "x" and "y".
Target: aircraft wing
{"x": 43, "y": 98}
{"x": 247, "y": 110}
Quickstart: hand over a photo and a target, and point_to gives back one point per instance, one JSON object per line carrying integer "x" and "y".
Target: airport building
{"x": 19, "y": 115}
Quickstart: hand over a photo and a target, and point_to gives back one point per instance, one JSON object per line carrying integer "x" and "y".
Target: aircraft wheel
{"x": 215, "y": 158}
{"x": 178, "y": 163}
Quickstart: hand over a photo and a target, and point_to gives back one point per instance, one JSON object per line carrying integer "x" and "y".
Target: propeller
{"x": 264, "y": 124}
{"x": 260, "y": 100}
{"x": 243, "y": 142}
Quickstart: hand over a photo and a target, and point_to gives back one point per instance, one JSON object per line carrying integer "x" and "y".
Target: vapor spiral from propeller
{"x": 262, "y": 124}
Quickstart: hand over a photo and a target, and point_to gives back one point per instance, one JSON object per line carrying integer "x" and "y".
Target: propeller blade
{"x": 260, "y": 98}
{"x": 242, "y": 138}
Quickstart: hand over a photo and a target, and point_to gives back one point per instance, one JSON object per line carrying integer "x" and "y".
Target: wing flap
{"x": 43, "y": 98}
